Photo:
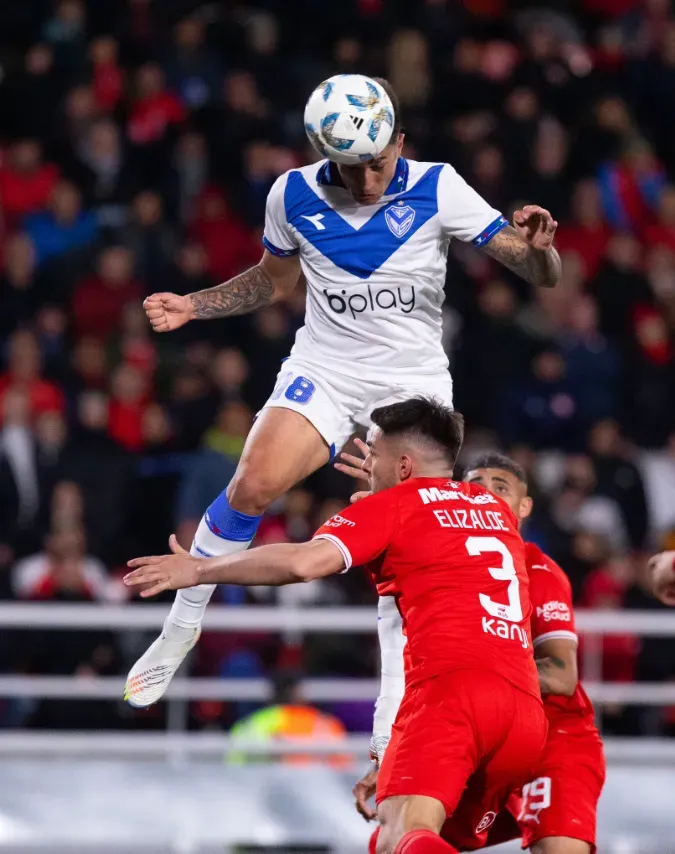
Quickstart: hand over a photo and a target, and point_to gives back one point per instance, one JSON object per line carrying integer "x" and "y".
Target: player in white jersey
{"x": 371, "y": 240}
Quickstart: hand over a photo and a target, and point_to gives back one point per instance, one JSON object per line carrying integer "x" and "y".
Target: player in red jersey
{"x": 559, "y": 806}
{"x": 451, "y": 554}
{"x": 558, "y": 812}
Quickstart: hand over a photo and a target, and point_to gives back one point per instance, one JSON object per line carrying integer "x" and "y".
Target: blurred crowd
{"x": 138, "y": 142}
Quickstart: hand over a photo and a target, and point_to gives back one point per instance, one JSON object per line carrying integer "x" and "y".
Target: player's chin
{"x": 366, "y": 198}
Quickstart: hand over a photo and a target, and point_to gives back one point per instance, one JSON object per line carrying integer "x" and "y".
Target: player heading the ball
{"x": 370, "y": 236}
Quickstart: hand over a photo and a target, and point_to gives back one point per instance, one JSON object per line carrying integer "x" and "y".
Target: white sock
{"x": 187, "y": 611}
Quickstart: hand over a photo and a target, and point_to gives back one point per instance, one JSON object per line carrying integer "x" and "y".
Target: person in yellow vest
{"x": 289, "y": 719}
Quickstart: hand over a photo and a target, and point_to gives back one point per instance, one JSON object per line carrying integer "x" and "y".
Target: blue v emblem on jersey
{"x": 399, "y": 219}
{"x": 361, "y": 252}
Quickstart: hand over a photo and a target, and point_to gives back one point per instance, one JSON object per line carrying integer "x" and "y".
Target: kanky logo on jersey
{"x": 399, "y": 219}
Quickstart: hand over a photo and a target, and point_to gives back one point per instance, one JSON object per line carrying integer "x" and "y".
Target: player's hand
{"x": 353, "y": 465}
{"x": 536, "y": 226}
{"x": 363, "y": 791}
{"x": 153, "y": 575}
{"x": 167, "y": 311}
{"x": 356, "y": 467}
{"x": 662, "y": 568}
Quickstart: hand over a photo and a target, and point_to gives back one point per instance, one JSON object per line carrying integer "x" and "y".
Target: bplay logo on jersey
{"x": 371, "y": 299}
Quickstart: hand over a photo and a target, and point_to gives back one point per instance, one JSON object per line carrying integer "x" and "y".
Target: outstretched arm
{"x": 274, "y": 565}
{"x": 526, "y": 248}
{"x": 271, "y": 279}
{"x": 557, "y": 666}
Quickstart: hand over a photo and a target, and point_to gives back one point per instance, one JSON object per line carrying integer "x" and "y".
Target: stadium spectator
{"x": 103, "y": 169}
{"x": 585, "y": 231}
{"x": 62, "y": 572}
{"x": 26, "y": 182}
{"x": 107, "y": 76}
{"x": 229, "y": 245}
{"x": 190, "y": 174}
{"x": 23, "y": 373}
{"x": 193, "y": 69}
{"x": 591, "y": 361}
{"x": 99, "y": 301}
{"x": 36, "y": 84}
{"x": 150, "y": 238}
{"x": 619, "y": 478}
{"x": 542, "y": 410}
{"x": 20, "y": 294}
{"x": 155, "y": 109}
{"x": 64, "y": 227}
{"x": 129, "y": 399}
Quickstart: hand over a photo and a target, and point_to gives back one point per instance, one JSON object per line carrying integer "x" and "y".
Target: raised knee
{"x": 252, "y": 490}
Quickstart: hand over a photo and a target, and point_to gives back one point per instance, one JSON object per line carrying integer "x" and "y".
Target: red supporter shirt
{"x": 553, "y": 617}
{"x": 22, "y": 193}
{"x": 97, "y": 308}
{"x": 43, "y": 395}
{"x": 451, "y": 555}
{"x": 150, "y": 117}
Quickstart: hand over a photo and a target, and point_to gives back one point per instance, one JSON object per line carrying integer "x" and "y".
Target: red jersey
{"x": 553, "y": 617}
{"x": 451, "y": 556}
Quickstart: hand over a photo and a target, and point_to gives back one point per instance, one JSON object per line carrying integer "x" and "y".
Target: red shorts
{"x": 563, "y": 798}
{"x": 464, "y": 731}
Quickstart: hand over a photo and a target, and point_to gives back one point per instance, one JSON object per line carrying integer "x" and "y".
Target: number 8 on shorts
{"x": 300, "y": 390}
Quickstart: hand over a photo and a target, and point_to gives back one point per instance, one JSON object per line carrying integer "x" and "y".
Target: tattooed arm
{"x": 526, "y": 248}
{"x": 271, "y": 279}
{"x": 557, "y": 666}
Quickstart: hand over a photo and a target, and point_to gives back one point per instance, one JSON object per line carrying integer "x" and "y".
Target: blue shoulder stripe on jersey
{"x": 488, "y": 233}
{"x": 361, "y": 251}
{"x": 282, "y": 253}
{"x": 329, "y": 176}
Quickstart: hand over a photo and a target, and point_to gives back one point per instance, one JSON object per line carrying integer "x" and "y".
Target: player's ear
{"x": 525, "y": 508}
{"x": 405, "y": 467}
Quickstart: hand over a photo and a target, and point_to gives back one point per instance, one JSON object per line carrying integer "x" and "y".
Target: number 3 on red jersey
{"x": 513, "y": 612}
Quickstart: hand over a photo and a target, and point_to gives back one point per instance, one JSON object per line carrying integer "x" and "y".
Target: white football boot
{"x": 149, "y": 678}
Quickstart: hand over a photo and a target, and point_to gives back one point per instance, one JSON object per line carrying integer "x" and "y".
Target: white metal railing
{"x": 286, "y": 619}
{"x": 136, "y": 745}
{"x": 593, "y": 624}
{"x": 314, "y": 690}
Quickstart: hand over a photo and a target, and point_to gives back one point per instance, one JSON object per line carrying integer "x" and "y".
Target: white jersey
{"x": 375, "y": 273}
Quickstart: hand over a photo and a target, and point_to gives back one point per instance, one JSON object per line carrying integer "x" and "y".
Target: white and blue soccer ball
{"x": 349, "y": 118}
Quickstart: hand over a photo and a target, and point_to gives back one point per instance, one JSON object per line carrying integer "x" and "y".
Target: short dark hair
{"x": 495, "y": 460}
{"x": 423, "y": 418}
{"x": 393, "y": 97}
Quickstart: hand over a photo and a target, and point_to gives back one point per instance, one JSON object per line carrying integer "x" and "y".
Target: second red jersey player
{"x": 560, "y": 802}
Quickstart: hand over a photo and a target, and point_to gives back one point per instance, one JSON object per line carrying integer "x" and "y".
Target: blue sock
{"x": 221, "y": 531}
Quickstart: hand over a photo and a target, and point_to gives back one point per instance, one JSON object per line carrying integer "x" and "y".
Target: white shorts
{"x": 337, "y": 405}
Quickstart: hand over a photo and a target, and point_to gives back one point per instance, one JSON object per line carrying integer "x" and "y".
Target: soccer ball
{"x": 349, "y": 118}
